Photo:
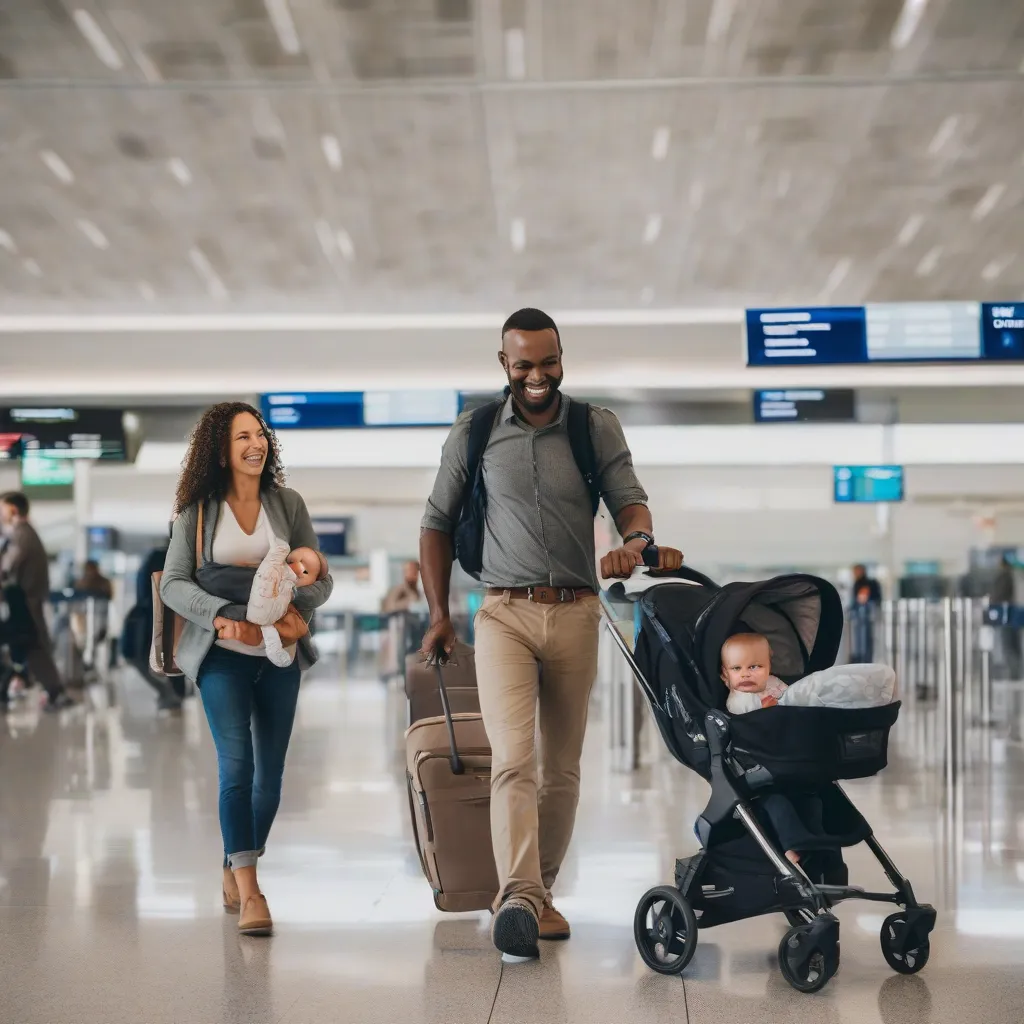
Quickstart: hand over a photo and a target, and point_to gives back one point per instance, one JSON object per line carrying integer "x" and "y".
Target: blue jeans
{"x": 250, "y": 705}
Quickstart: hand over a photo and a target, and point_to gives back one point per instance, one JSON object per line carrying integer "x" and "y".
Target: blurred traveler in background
{"x": 231, "y": 492}
{"x": 1004, "y": 591}
{"x": 402, "y": 596}
{"x": 24, "y": 561}
{"x": 93, "y": 582}
{"x": 867, "y": 598}
{"x": 541, "y": 613}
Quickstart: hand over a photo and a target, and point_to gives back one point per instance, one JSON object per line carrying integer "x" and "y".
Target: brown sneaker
{"x": 229, "y": 888}
{"x": 552, "y": 925}
{"x": 514, "y": 929}
{"x": 255, "y": 916}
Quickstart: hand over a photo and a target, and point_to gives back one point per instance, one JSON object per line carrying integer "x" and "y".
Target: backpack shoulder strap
{"x": 481, "y": 424}
{"x": 582, "y": 443}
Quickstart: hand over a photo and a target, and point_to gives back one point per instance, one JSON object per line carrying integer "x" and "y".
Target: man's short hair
{"x": 530, "y": 320}
{"x": 17, "y": 501}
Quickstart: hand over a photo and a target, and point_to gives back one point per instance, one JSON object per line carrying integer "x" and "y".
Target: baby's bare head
{"x": 746, "y": 662}
{"x": 303, "y": 560}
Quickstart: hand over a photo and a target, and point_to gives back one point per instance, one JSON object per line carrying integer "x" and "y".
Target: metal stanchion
{"x": 947, "y": 699}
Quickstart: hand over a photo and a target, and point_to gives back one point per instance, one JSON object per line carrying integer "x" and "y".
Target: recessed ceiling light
{"x": 652, "y": 229}
{"x": 6, "y": 242}
{"x": 910, "y": 229}
{"x": 515, "y": 53}
{"x": 332, "y": 151}
{"x": 345, "y": 246}
{"x": 994, "y": 270}
{"x": 149, "y": 70}
{"x": 95, "y": 37}
{"x": 33, "y": 268}
{"x": 906, "y": 24}
{"x": 517, "y": 234}
{"x": 838, "y": 274}
{"x": 659, "y": 144}
{"x": 284, "y": 25}
{"x": 60, "y": 170}
{"x": 326, "y": 238}
{"x": 929, "y": 261}
{"x": 204, "y": 268}
{"x": 946, "y": 131}
{"x": 93, "y": 233}
{"x": 720, "y": 19}
{"x": 180, "y": 170}
{"x": 987, "y": 203}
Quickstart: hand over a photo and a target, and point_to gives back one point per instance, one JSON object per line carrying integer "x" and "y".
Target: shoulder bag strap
{"x": 582, "y": 443}
{"x": 200, "y": 539}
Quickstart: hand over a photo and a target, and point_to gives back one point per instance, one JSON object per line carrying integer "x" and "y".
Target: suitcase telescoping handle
{"x": 458, "y": 768}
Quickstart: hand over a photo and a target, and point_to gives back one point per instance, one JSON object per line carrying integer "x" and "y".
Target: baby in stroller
{"x": 774, "y": 772}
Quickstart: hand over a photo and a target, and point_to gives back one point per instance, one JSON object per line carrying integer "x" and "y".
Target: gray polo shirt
{"x": 539, "y": 528}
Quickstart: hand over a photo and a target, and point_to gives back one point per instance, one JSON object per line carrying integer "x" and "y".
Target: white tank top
{"x": 233, "y": 546}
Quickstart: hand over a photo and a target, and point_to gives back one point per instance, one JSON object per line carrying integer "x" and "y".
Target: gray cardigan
{"x": 178, "y": 590}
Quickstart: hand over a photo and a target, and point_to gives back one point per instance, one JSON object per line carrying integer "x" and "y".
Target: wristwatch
{"x": 638, "y": 535}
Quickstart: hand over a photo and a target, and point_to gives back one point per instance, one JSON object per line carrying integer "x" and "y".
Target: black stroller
{"x": 741, "y": 870}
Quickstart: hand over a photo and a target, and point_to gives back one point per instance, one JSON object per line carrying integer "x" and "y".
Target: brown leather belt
{"x": 543, "y": 595}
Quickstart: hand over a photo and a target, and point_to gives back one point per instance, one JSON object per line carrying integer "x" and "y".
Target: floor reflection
{"x": 110, "y": 860}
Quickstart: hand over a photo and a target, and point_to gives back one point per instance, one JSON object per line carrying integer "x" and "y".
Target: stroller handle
{"x": 684, "y": 572}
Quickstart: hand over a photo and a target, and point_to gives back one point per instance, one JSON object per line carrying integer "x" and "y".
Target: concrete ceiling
{"x": 446, "y": 155}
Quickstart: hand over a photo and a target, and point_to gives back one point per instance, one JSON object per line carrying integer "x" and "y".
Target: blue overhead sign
{"x": 328, "y": 410}
{"x": 868, "y": 483}
{"x": 897, "y": 332}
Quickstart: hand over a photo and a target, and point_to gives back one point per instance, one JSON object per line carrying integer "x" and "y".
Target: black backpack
{"x": 469, "y": 531}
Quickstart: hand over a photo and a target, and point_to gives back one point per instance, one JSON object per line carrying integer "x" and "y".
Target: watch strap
{"x": 639, "y": 535}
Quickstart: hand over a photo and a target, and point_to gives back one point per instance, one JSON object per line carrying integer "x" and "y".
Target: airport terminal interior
{"x": 780, "y": 241}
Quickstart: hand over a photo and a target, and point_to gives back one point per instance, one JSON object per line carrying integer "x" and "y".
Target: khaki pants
{"x": 528, "y": 656}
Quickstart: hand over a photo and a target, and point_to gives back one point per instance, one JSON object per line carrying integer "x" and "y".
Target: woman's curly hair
{"x": 204, "y": 473}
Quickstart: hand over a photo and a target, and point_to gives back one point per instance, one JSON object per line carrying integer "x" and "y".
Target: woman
{"x": 231, "y": 491}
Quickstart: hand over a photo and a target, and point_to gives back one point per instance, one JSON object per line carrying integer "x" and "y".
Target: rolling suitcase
{"x": 424, "y": 694}
{"x": 448, "y": 767}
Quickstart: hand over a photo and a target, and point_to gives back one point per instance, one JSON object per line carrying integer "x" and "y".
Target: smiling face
{"x": 247, "y": 446}
{"x": 533, "y": 365}
{"x": 746, "y": 663}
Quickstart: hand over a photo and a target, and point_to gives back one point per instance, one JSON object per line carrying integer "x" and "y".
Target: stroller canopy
{"x": 802, "y": 617}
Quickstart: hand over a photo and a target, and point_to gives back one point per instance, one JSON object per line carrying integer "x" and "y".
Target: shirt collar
{"x": 508, "y": 412}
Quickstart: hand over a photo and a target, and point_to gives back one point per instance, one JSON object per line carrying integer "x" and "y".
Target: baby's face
{"x": 302, "y": 561}
{"x": 746, "y": 664}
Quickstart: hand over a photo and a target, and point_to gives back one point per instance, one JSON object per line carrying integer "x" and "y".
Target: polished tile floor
{"x": 110, "y": 901}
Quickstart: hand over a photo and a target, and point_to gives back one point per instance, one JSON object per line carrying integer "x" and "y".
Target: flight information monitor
{"x": 868, "y": 483}
{"x": 326, "y": 410}
{"x": 804, "y": 405}
{"x": 59, "y": 432}
{"x": 894, "y": 332}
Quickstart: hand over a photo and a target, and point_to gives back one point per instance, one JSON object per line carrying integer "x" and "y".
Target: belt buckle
{"x": 529, "y": 593}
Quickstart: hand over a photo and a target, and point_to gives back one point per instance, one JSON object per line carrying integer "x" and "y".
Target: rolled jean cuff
{"x": 245, "y": 859}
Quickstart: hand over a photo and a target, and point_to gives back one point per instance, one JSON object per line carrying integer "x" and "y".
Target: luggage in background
{"x": 448, "y": 767}
{"x": 423, "y": 692}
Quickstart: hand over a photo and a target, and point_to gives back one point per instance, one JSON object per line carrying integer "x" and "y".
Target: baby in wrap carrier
{"x": 266, "y": 590}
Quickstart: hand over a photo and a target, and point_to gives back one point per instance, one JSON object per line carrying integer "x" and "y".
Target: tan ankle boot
{"x": 255, "y": 916}
{"x": 229, "y": 888}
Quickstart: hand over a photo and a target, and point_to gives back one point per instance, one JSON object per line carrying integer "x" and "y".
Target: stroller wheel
{"x": 809, "y": 954}
{"x": 665, "y": 929}
{"x": 895, "y": 938}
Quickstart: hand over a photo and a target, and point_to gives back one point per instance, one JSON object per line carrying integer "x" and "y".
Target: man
{"x": 93, "y": 582}
{"x": 24, "y": 560}
{"x": 402, "y": 596}
{"x": 537, "y": 631}
{"x": 1003, "y": 591}
{"x": 865, "y": 589}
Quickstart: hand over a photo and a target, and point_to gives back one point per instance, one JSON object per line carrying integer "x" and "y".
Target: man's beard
{"x": 534, "y": 405}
